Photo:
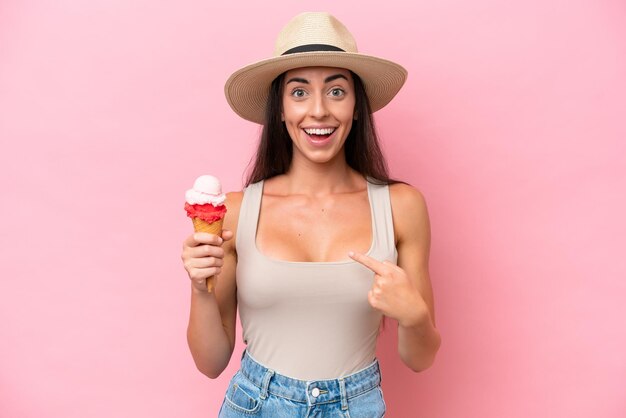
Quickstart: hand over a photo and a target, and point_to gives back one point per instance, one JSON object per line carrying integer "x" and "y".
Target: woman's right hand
{"x": 203, "y": 257}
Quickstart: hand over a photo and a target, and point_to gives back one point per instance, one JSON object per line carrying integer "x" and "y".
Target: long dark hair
{"x": 362, "y": 149}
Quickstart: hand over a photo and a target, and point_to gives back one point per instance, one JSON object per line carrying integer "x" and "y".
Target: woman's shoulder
{"x": 233, "y": 205}
{"x": 408, "y": 207}
{"x": 234, "y": 195}
{"x": 406, "y": 196}
{"x": 233, "y": 201}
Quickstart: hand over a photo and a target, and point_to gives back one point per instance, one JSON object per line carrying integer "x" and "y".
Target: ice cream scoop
{"x": 206, "y": 189}
{"x": 204, "y": 204}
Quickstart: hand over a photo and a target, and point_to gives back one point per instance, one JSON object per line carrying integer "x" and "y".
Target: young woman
{"x": 320, "y": 246}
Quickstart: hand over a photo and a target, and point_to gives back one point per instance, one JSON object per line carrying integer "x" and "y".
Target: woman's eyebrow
{"x": 335, "y": 77}
{"x": 326, "y": 80}
{"x": 298, "y": 80}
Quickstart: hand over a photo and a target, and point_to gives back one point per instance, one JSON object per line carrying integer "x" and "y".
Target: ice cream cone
{"x": 212, "y": 228}
{"x": 204, "y": 204}
{"x": 203, "y": 226}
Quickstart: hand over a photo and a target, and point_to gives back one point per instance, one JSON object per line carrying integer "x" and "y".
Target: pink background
{"x": 511, "y": 123}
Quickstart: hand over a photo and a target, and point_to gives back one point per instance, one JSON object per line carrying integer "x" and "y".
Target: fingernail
{"x": 351, "y": 253}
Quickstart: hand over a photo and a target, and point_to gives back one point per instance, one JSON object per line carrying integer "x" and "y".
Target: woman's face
{"x": 318, "y": 110}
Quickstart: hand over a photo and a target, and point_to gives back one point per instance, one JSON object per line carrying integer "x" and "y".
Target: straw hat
{"x": 312, "y": 39}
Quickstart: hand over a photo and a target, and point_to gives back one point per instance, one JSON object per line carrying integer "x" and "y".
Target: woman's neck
{"x": 318, "y": 179}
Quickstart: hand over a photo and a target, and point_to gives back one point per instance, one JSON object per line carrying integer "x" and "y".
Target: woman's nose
{"x": 318, "y": 107}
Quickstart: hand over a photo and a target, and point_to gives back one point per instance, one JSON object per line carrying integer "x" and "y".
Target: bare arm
{"x": 403, "y": 291}
{"x": 212, "y": 319}
{"x": 418, "y": 338}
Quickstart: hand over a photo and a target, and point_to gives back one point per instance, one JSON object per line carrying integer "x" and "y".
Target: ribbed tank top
{"x": 310, "y": 320}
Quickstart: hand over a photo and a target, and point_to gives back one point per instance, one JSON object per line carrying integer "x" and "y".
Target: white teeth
{"x": 324, "y": 131}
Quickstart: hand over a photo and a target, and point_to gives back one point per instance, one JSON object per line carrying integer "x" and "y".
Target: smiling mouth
{"x": 319, "y": 131}
{"x": 319, "y": 134}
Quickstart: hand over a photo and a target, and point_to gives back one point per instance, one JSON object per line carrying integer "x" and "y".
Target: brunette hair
{"x": 362, "y": 150}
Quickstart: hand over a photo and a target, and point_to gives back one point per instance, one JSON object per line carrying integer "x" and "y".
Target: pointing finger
{"x": 372, "y": 264}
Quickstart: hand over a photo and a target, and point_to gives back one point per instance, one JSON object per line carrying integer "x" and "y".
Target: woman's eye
{"x": 298, "y": 93}
{"x": 337, "y": 92}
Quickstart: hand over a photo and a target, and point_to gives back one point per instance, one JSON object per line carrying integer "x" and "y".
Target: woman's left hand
{"x": 393, "y": 293}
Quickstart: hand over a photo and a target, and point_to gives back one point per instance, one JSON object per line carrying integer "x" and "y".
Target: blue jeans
{"x": 256, "y": 391}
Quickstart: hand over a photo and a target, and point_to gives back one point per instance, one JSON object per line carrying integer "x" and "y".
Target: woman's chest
{"x": 314, "y": 230}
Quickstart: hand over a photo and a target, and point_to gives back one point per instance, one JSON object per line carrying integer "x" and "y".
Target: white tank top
{"x": 310, "y": 320}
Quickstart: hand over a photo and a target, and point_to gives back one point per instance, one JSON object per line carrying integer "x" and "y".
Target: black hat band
{"x": 312, "y": 48}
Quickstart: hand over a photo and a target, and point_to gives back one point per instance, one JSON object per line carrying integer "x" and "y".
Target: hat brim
{"x": 247, "y": 89}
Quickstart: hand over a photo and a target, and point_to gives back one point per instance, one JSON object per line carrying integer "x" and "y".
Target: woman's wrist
{"x": 202, "y": 293}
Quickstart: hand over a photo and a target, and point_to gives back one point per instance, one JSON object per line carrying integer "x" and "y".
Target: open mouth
{"x": 319, "y": 134}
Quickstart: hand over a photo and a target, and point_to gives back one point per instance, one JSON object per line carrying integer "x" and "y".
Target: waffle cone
{"x": 203, "y": 226}
{"x": 212, "y": 228}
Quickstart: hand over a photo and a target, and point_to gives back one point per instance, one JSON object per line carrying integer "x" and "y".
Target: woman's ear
{"x": 356, "y": 115}
{"x": 282, "y": 117}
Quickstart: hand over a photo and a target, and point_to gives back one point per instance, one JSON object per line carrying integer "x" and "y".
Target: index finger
{"x": 203, "y": 238}
{"x": 369, "y": 262}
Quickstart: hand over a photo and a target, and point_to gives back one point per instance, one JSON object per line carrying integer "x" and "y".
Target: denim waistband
{"x": 310, "y": 391}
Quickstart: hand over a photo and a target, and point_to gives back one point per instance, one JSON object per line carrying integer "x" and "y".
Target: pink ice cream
{"x": 205, "y": 200}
